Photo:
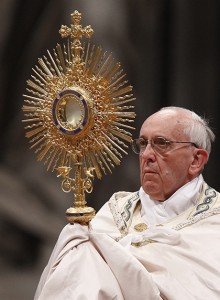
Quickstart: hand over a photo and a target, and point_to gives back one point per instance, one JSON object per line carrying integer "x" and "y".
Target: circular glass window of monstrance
{"x": 70, "y": 111}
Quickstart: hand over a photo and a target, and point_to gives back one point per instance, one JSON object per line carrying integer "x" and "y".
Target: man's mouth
{"x": 149, "y": 171}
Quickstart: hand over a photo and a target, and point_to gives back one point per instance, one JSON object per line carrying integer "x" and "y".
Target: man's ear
{"x": 200, "y": 158}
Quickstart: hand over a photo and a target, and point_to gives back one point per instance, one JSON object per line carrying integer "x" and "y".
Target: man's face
{"x": 163, "y": 173}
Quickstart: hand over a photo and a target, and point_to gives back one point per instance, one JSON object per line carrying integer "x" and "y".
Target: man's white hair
{"x": 197, "y": 128}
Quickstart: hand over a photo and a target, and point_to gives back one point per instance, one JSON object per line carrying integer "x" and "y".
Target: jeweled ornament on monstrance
{"x": 79, "y": 114}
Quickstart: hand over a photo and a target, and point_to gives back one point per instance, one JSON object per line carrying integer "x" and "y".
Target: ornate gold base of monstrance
{"x": 78, "y": 116}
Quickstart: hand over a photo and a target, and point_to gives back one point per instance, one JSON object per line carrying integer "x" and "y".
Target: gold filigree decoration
{"x": 79, "y": 113}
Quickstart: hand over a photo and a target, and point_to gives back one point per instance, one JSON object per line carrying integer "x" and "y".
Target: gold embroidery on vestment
{"x": 140, "y": 227}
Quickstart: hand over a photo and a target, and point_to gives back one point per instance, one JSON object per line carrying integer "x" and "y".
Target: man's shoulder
{"x": 208, "y": 205}
{"x": 209, "y": 200}
{"x": 122, "y": 199}
{"x": 122, "y": 205}
{"x": 110, "y": 217}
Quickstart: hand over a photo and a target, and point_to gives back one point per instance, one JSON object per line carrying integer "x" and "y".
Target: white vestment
{"x": 118, "y": 257}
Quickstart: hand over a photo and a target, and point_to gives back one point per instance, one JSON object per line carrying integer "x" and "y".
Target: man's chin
{"x": 152, "y": 190}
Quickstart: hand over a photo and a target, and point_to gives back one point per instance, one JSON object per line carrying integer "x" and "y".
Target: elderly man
{"x": 173, "y": 148}
{"x": 161, "y": 242}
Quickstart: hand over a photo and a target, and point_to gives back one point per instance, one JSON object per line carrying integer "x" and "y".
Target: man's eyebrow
{"x": 155, "y": 136}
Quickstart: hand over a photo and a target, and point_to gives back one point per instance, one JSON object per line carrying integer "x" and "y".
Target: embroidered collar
{"x": 155, "y": 212}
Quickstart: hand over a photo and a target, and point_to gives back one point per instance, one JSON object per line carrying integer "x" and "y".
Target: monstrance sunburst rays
{"x": 79, "y": 114}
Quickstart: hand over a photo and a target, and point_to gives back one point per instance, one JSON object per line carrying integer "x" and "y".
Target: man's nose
{"x": 148, "y": 151}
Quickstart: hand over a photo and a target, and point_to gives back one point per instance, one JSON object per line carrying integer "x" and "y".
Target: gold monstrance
{"x": 78, "y": 115}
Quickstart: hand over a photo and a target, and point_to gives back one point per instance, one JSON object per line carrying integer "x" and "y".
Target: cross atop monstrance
{"x": 76, "y": 32}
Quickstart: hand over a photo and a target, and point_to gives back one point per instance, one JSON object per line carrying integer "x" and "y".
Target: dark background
{"x": 170, "y": 52}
